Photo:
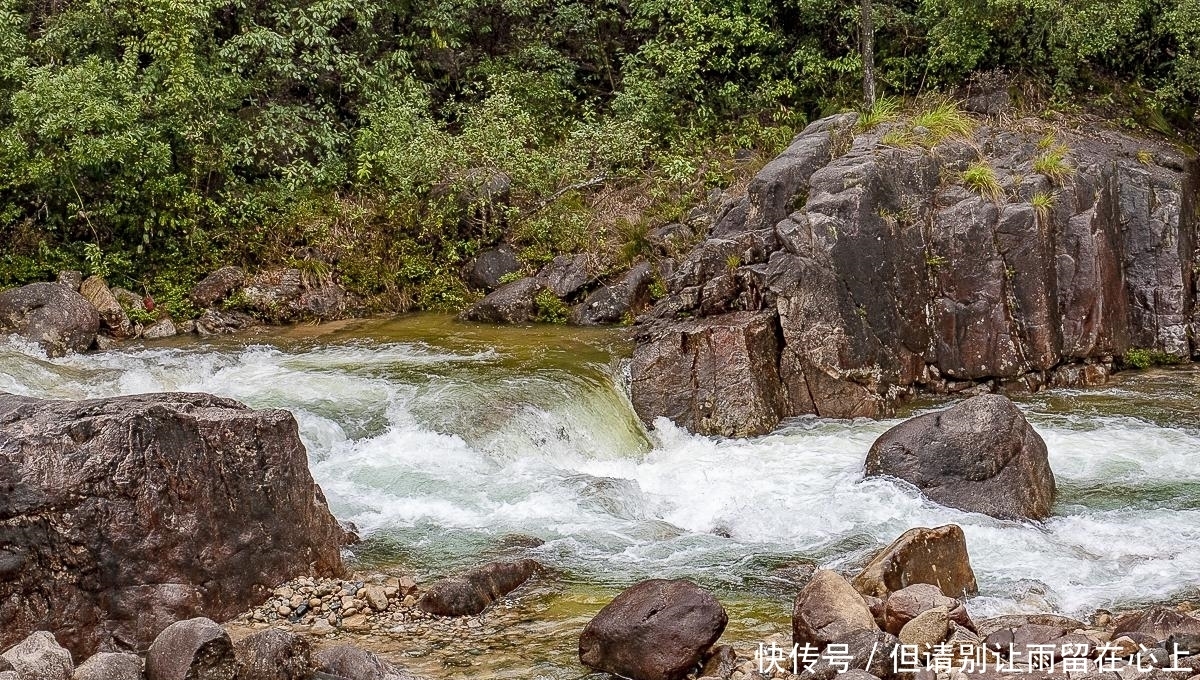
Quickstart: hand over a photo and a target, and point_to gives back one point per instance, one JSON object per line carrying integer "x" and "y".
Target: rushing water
{"x": 441, "y": 441}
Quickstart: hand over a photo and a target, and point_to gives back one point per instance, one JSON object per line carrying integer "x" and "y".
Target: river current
{"x": 443, "y": 441}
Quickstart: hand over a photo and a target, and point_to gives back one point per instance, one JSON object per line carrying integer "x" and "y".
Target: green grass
{"x": 899, "y": 137}
{"x": 1043, "y": 203}
{"x": 1145, "y": 157}
{"x": 885, "y": 110}
{"x": 980, "y": 178}
{"x": 1140, "y": 358}
{"x": 1052, "y": 163}
{"x": 944, "y": 120}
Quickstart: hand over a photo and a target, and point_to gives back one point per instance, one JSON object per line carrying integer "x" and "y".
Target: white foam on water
{"x": 446, "y": 450}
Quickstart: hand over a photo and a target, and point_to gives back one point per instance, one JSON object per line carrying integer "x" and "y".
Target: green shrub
{"x": 550, "y": 308}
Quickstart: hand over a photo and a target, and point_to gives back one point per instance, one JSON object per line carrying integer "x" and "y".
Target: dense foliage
{"x": 153, "y": 139}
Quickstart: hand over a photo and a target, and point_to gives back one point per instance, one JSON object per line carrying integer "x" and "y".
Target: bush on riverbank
{"x": 153, "y": 141}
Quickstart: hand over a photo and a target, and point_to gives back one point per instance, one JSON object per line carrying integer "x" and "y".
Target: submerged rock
{"x": 475, "y": 590}
{"x": 53, "y": 316}
{"x": 828, "y": 608}
{"x": 979, "y": 455}
{"x": 128, "y": 514}
{"x": 352, "y": 663}
{"x": 656, "y": 630}
{"x": 936, "y": 556}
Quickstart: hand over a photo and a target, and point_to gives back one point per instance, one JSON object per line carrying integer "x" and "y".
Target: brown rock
{"x": 195, "y": 649}
{"x": 55, "y": 317}
{"x": 936, "y": 556}
{"x": 721, "y": 663}
{"x": 1157, "y": 622}
{"x": 979, "y": 455}
{"x": 218, "y": 285}
{"x": 828, "y": 608}
{"x": 906, "y": 604}
{"x": 131, "y": 513}
{"x": 95, "y": 290}
{"x": 473, "y": 591}
{"x": 656, "y": 630}
{"x": 926, "y": 629}
{"x": 273, "y": 655}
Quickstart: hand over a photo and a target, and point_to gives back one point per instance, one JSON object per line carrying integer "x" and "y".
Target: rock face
{"x": 828, "y": 608}
{"x": 39, "y": 657}
{"x": 471, "y": 592}
{"x": 656, "y": 630}
{"x": 936, "y": 556}
{"x": 124, "y": 515}
{"x": 195, "y": 649}
{"x": 51, "y": 315}
{"x": 885, "y": 274}
{"x": 979, "y": 455}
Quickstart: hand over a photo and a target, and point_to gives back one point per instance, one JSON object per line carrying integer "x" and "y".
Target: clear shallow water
{"x": 439, "y": 440}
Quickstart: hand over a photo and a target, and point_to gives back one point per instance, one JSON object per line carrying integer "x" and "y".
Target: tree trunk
{"x": 868, "y": 53}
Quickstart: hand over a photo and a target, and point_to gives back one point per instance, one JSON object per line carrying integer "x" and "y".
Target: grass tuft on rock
{"x": 980, "y": 177}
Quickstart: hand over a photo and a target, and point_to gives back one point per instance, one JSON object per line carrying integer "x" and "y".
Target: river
{"x": 443, "y": 441}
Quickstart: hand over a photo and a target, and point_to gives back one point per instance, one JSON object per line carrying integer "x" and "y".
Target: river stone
{"x": 720, "y": 662}
{"x": 110, "y": 666}
{"x": 488, "y": 269}
{"x": 273, "y": 654}
{"x": 618, "y": 301}
{"x": 163, "y": 328}
{"x": 926, "y": 629}
{"x": 352, "y": 663}
{"x": 218, "y": 322}
{"x": 870, "y": 651}
{"x": 655, "y": 630}
{"x": 979, "y": 455}
{"x": 168, "y": 505}
{"x": 475, "y": 590}
{"x": 39, "y": 657}
{"x": 112, "y": 315}
{"x": 1158, "y": 623}
{"x": 514, "y": 302}
{"x": 827, "y": 608}
{"x": 195, "y": 649}
{"x": 54, "y": 317}
{"x": 217, "y": 286}
{"x": 376, "y": 597}
{"x": 906, "y": 604}
{"x": 936, "y": 556}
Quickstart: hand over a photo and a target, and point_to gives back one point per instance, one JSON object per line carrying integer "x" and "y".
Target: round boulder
{"x": 827, "y": 608}
{"x": 195, "y": 649}
{"x": 656, "y": 630}
{"x": 979, "y": 455}
{"x": 55, "y": 317}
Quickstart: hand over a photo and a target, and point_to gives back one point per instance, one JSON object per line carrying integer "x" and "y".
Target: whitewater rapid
{"x": 438, "y": 450}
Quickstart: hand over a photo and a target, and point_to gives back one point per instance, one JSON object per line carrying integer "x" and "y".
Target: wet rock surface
{"x": 54, "y": 317}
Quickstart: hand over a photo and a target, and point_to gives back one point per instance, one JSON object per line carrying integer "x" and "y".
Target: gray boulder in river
{"x": 855, "y": 271}
{"x": 52, "y": 315}
{"x": 124, "y": 515}
{"x": 979, "y": 455}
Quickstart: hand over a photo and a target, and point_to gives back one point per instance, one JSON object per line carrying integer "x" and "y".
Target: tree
{"x": 868, "y": 53}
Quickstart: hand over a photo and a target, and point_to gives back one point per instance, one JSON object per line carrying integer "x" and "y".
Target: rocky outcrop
{"x": 828, "y": 608}
{"x": 124, "y": 515}
{"x": 885, "y": 274}
{"x": 979, "y": 455}
{"x": 515, "y": 302}
{"x": 475, "y": 590}
{"x": 656, "y": 630}
{"x": 53, "y": 316}
{"x": 1159, "y": 623}
{"x": 935, "y": 556}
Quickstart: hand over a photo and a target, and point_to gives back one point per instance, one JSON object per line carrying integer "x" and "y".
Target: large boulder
{"x": 475, "y": 590}
{"x": 195, "y": 649}
{"x": 111, "y": 666}
{"x": 352, "y": 663}
{"x": 489, "y": 268}
{"x": 937, "y": 556}
{"x": 274, "y": 654}
{"x": 979, "y": 455}
{"x": 130, "y": 513}
{"x": 53, "y": 316}
{"x": 656, "y": 630}
{"x": 39, "y": 657}
{"x": 515, "y": 302}
{"x": 566, "y": 275}
{"x": 828, "y": 608}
